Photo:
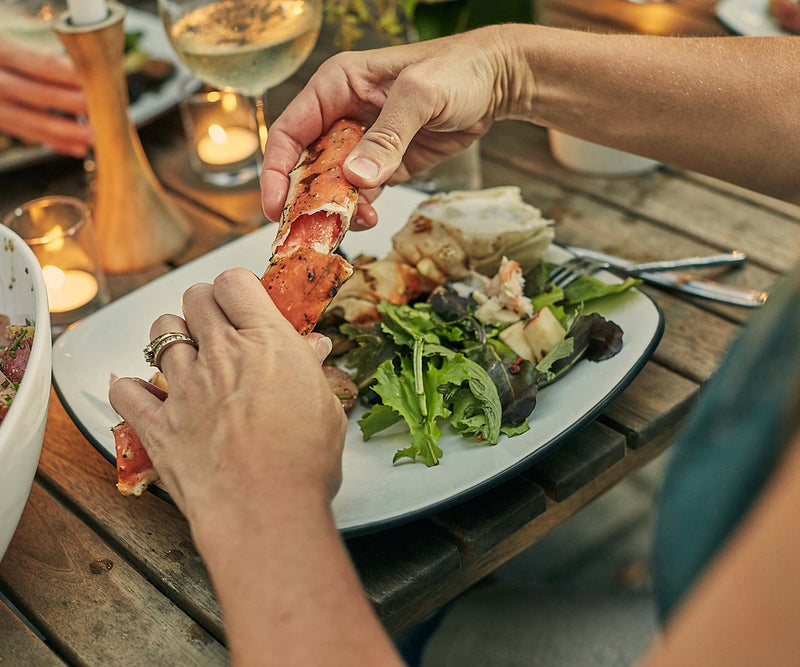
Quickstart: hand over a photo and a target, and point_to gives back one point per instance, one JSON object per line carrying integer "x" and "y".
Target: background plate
{"x": 148, "y": 107}
{"x": 748, "y": 17}
{"x": 375, "y": 494}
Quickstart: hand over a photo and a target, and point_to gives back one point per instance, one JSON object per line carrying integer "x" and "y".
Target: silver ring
{"x": 155, "y": 348}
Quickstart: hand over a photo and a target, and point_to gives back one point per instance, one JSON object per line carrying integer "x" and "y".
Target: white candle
{"x": 68, "y": 290}
{"x": 221, "y": 146}
{"x": 84, "y": 12}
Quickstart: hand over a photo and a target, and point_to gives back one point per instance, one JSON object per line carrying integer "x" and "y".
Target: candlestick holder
{"x": 136, "y": 226}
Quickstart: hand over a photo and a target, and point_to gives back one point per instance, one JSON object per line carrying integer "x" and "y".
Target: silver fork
{"x": 577, "y": 267}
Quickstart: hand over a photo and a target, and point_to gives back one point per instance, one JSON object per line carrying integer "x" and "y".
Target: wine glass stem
{"x": 261, "y": 123}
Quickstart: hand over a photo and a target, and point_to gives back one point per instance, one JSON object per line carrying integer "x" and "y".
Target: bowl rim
{"x": 41, "y": 349}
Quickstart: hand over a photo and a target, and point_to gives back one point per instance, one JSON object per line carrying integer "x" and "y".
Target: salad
{"x": 15, "y": 350}
{"x": 467, "y": 353}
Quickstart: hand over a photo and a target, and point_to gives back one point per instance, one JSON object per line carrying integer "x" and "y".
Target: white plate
{"x": 147, "y": 107}
{"x": 375, "y": 494}
{"x": 748, "y": 17}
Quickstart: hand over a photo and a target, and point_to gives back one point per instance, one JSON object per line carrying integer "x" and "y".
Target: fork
{"x": 576, "y": 267}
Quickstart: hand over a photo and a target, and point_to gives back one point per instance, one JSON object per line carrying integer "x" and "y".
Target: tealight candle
{"x": 222, "y": 146}
{"x": 68, "y": 290}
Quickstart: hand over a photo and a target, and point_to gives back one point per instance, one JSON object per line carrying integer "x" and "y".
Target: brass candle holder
{"x": 135, "y": 225}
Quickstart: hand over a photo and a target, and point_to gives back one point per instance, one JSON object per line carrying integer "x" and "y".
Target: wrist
{"x": 511, "y": 55}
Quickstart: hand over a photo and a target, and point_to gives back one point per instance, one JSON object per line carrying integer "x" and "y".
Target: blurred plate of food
{"x": 157, "y": 80}
{"x": 749, "y": 17}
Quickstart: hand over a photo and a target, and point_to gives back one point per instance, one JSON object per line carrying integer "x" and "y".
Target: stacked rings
{"x": 155, "y": 348}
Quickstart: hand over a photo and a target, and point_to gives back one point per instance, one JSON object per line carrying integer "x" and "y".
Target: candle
{"x": 220, "y": 146}
{"x": 68, "y": 290}
{"x": 85, "y": 12}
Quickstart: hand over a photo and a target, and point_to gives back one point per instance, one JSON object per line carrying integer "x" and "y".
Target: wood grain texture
{"x": 578, "y": 461}
{"x": 478, "y": 524}
{"x": 151, "y": 533}
{"x": 19, "y": 646}
{"x": 91, "y": 603}
{"x": 398, "y": 566}
{"x": 655, "y": 401}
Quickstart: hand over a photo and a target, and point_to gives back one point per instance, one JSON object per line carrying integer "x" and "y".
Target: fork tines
{"x": 568, "y": 272}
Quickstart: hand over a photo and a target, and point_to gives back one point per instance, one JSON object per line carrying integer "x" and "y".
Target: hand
{"x": 249, "y": 414}
{"x": 787, "y": 13}
{"x": 422, "y": 102}
{"x": 36, "y": 89}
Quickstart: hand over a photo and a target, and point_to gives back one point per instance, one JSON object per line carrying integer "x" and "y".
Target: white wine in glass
{"x": 247, "y": 46}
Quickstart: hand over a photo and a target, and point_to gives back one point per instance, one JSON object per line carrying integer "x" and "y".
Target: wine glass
{"x": 247, "y": 46}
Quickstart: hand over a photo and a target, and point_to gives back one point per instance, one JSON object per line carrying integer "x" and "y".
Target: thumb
{"x": 379, "y": 153}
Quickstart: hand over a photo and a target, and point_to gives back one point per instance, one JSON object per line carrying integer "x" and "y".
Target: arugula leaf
{"x": 588, "y": 288}
{"x": 443, "y": 375}
{"x": 379, "y": 418}
{"x": 562, "y": 350}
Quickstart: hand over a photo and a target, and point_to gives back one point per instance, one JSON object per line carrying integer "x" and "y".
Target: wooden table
{"x": 104, "y": 578}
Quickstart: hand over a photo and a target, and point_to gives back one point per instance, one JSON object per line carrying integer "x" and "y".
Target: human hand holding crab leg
{"x": 248, "y": 442}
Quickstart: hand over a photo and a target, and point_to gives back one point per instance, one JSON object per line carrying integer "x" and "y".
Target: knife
{"x": 682, "y": 282}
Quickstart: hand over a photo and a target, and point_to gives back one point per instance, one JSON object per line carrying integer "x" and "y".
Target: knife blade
{"x": 681, "y": 282}
{"x": 734, "y": 258}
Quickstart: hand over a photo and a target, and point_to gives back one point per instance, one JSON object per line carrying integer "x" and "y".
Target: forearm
{"x": 728, "y": 107}
{"x": 288, "y": 591}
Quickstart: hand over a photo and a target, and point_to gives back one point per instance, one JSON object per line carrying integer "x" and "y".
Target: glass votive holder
{"x": 222, "y": 136}
{"x": 59, "y": 230}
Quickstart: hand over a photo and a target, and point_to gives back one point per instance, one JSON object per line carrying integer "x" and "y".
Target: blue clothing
{"x": 744, "y": 420}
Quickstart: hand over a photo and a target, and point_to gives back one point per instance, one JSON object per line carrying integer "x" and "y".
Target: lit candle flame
{"x": 217, "y": 134}
{"x": 53, "y": 276}
{"x": 55, "y": 239}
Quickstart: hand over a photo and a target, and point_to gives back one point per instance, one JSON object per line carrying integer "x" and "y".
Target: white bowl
{"x": 23, "y": 296}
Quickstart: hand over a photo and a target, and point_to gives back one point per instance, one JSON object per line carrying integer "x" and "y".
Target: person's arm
{"x": 39, "y": 98}
{"x": 744, "y": 611}
{"x": 728, "y": 107}
{"x": 249, "y": 443}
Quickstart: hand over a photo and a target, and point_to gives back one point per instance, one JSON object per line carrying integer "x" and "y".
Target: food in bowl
{"x": 16, "y": 342}
{"x": 23, "y": 299}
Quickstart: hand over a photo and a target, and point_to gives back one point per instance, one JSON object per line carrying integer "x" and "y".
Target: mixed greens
{"x": 434, "y": 362}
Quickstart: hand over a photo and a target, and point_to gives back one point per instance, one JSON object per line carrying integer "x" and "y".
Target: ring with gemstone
{"x": 155, "y": 348}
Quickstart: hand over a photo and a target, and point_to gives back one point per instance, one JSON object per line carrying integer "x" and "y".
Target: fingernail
{"x": 366, "y": 169}
{"x": 359, "y": 222}
{"x": 323, "y": 348}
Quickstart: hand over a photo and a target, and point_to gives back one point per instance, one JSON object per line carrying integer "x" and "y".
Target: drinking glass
{"x": 247, "y": 46}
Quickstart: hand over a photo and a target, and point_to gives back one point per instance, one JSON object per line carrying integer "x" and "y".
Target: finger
{"x": 42, "y": 65}
{"x": 365, "y": 217}
{"x": 245, "y": 302}
{"x": 38, "y": 94}
{"x": 380, "y": 152}
{"x": 204, "y": 317}
{"x": 177, "y": 355}
{"x": 39, "y": 127}
{"x": 321, "y": 344}
{"x": 134, "y": 402}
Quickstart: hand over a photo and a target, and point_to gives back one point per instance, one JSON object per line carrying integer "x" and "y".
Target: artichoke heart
{"x": 453, "y": 233}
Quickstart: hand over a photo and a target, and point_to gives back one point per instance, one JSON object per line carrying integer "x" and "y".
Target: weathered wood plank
{"x": 19, "y": 646}
{"x": 478, "y": 524}
{"x": 151, "y": 533}
{"x": 657, "y": 399}
{"x": 89, "y": 602}
{"x": 401, "y": 564}
{"x": 578, "y": 461}
{"x": 688, "y": 207}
